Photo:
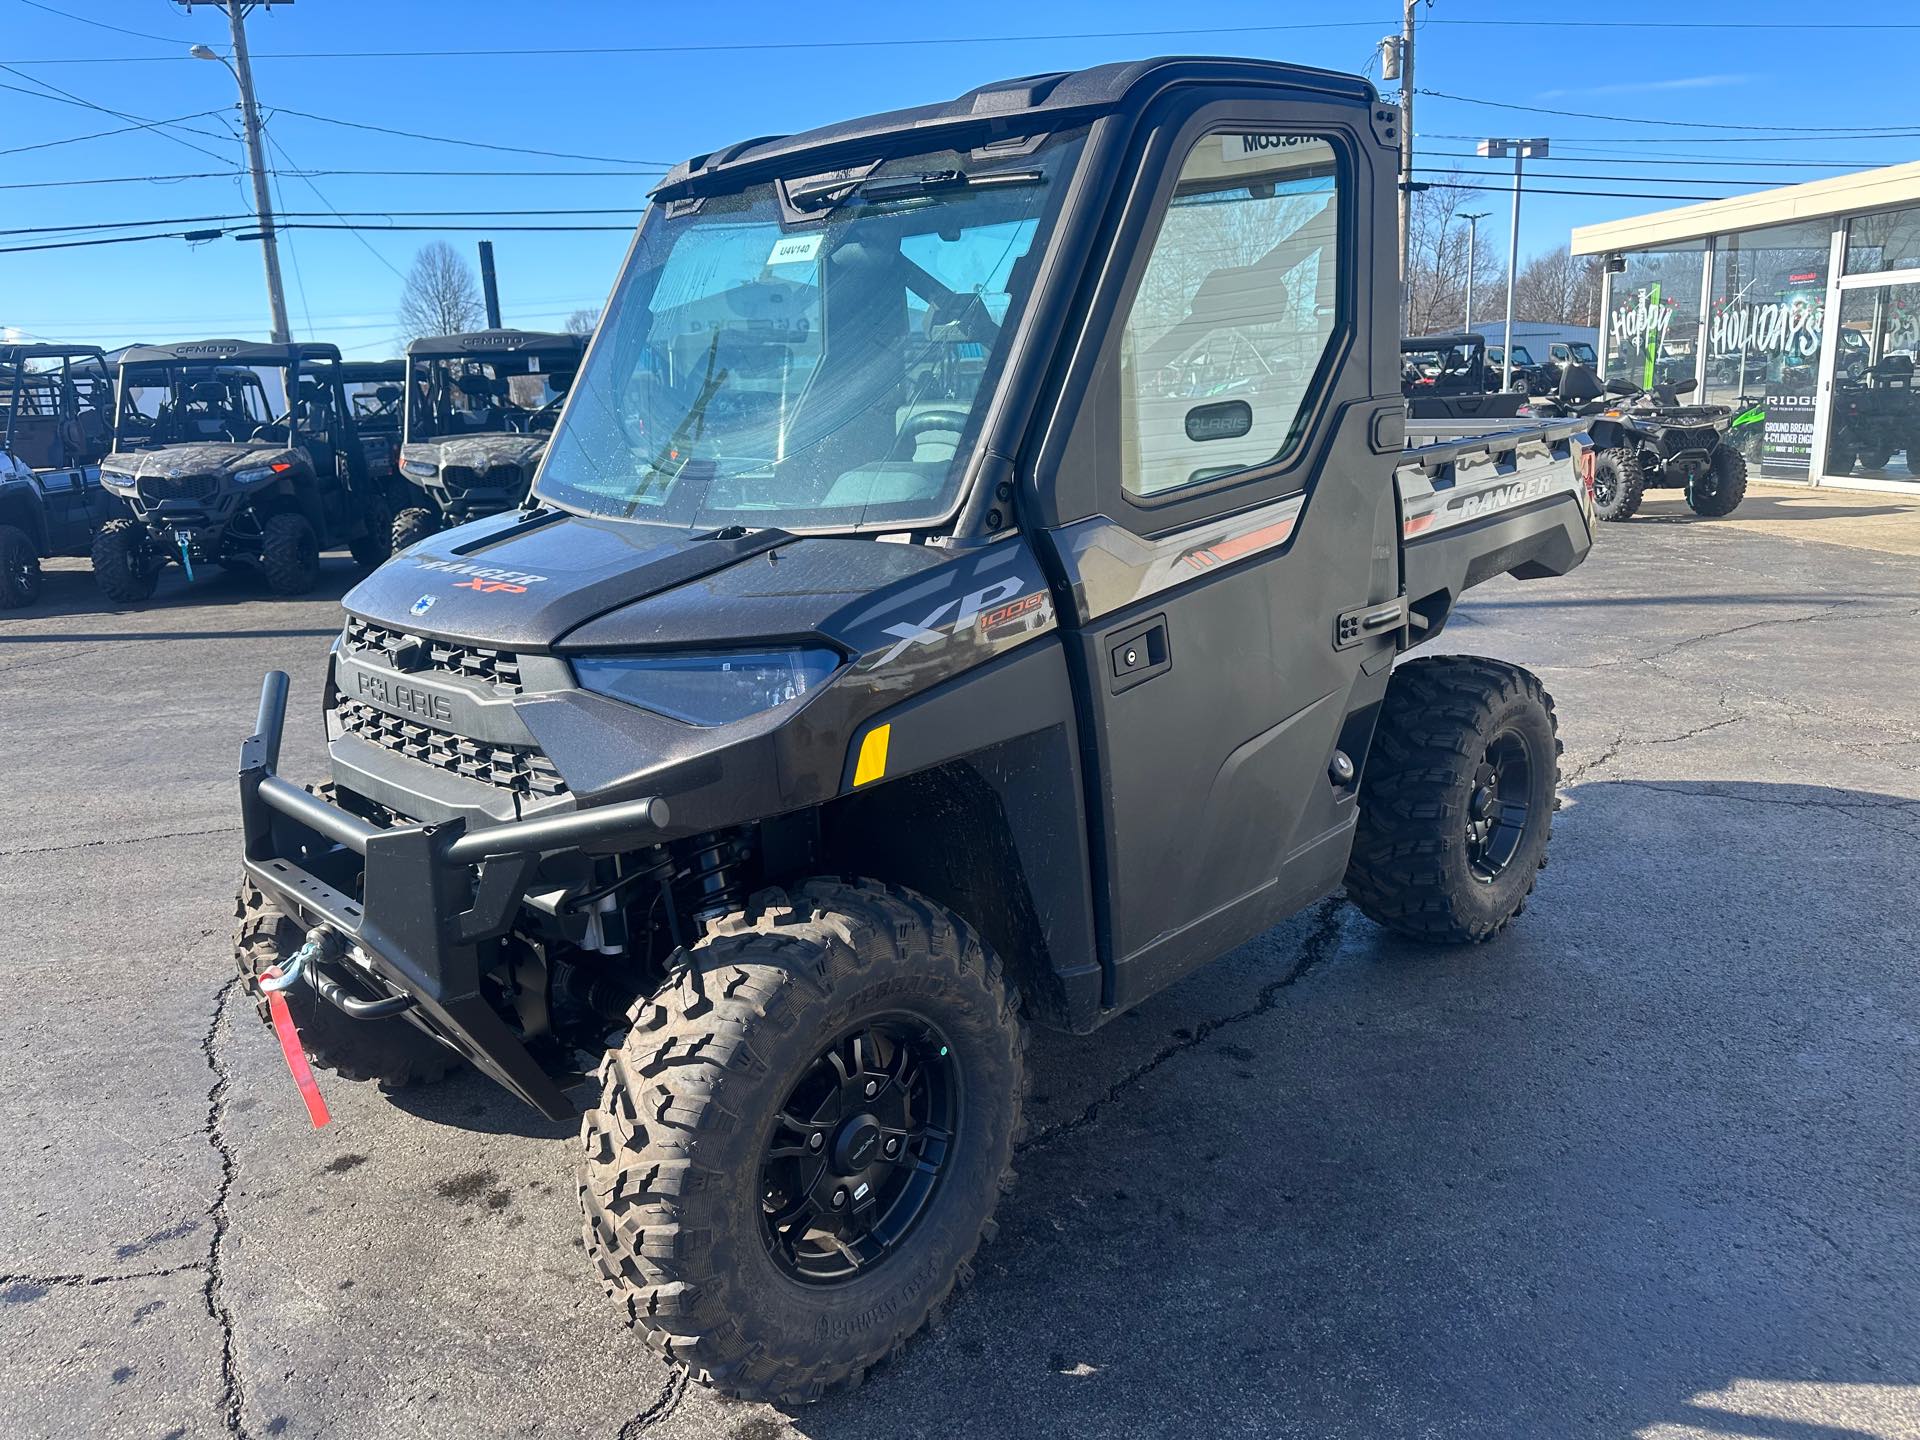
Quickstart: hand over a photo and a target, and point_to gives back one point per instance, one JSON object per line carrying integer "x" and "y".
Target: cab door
{"x": 1234, "y": 571}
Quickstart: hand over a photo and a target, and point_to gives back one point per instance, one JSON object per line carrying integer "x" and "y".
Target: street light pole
{"x": 242, "y": 72}
{"x": 1522, "y": 150}
{"x": 1473, "y": 255}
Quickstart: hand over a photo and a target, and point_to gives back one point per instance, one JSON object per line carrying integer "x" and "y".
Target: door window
{"x": 1234, "y": 312}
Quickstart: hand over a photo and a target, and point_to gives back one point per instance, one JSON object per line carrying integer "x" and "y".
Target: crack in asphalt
{"x": 121, "y": 840}
{"x": 1625, "y": 741}
{"x": 1826, "y": 612}
{"x": 55, "y": 1282}
{"x": 1319, "y": 944}
{"x": 663, "y": 1405}
{"x": 213, "y": 1291}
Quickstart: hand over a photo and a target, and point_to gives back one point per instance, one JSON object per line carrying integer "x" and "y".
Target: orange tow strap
{"x": 289, "y": 1036}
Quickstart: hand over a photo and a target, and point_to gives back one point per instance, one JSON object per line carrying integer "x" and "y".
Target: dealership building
{"x": 1799, "y": 306}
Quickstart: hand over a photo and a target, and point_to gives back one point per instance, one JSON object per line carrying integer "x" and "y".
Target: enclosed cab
{"x": 480, "y": 409}
{"x": 376, "y": 394}
{"x": 1447, "y": 377}
{"x": 56, "y": 404}
{"x": 235, "y": 453}
{"x": 964, "y": 587}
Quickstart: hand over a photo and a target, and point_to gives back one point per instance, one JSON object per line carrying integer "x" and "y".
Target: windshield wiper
{"x": 822, "y": 194}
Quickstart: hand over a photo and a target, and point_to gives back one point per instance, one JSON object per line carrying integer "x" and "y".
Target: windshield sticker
{"x": 795, "y": 249}
{"x": 518, "y": 579}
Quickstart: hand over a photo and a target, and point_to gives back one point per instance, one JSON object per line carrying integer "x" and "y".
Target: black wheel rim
{"x": 858, "y": 1150}
{"x": 1604, "y": 484}
{"x": 1499, "y": 805}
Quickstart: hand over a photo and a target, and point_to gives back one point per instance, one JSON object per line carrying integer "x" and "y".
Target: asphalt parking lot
{"x": 1644, "y": 1166}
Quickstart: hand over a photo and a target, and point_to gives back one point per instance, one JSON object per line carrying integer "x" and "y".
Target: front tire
{"x": 124, "y": 563}
{"x": 1722, "y": 488}
{"x": 19, "y": 568}
{"x": 1456, "y": 805}
{"x": 413, "y": 525}
{"x": 732, "y": 1193}
{"x": 289, "y": 554}
{"x": 390, "y": 1050}
{"x": 1618, "y": 483}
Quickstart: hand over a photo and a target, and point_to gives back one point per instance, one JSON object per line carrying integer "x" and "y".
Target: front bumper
{"x": 420, "y": 902}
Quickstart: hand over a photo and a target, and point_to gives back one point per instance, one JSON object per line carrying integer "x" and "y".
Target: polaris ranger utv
{"x": 53, "y": 431}
{"x": 894, "y": 649}
{"x": 213, "y": 474}
{"x": 480, "y": 408}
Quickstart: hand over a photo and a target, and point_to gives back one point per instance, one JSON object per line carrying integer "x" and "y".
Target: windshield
{"x": 1583, "y": 352}
{"x": 517, "y": 394}
{"x": 824, "y": 372}
{"x": 1520, "y": 355}
{"x": 177, "y": 404}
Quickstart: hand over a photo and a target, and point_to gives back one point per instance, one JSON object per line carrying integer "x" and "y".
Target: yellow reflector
{"x": 873, "y": 755}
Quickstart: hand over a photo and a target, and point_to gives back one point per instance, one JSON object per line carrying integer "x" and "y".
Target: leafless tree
{"x": 441, "y": 295}
{"x": 583, "y": 322}
{"x": 1438, "y": 264}
{"x": 1559, "y": 288}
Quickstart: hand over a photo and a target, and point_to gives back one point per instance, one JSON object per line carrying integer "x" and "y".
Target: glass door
{"x": 1873, "y": 410}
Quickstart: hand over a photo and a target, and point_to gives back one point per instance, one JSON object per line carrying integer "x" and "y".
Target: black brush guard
{"x": 431, "y": 896}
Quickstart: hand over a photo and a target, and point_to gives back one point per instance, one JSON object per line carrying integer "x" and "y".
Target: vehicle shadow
{"x": 1628, "y": 1165}
{"x": 69, "y": 589}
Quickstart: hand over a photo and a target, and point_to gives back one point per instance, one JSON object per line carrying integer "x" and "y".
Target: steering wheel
{"x": 935, "y": 419}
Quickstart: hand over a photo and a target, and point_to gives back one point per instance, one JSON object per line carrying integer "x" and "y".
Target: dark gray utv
{"x": 964, "y": 588}
{"x": 55, "y": 407}
{"x": 215, "y": 470}
{"x": 480, "y": 409}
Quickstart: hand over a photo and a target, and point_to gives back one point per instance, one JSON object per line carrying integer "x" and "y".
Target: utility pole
{"x": 489, "y": 286}
{"x": 1473, "y": 254}
{"x": 242, "y": 72}
{"x": 1522, "y": 150}
{"x": 1400, "y": 65}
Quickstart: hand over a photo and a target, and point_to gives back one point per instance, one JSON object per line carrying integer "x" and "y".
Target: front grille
{"x": 155, "y": 488}
{"x": 1676, "y": 441}
{"x": 472, "y": 477}
{"x": 498, "y": 668}
{"x": 521, "y": 769}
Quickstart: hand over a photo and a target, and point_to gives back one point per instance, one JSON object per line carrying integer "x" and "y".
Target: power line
{"x": 300, "y": 174}
{"x": 163, "y": 127}
{"x": 1863, "y": 132}
{"x": 365, "y": 244}
{"x": 102, "y": 25}
{"x": 470, "y": 144}
{"x": 99, "y": 134}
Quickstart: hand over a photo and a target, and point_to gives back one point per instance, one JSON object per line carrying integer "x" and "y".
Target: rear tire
{"x": 1720, "y": 491}
{"x": 124, "y": 563}
{"x": 390, "y": 1051}
{"x": 1874, "y": 457}
{"x": 374, "y": 544}
{"x": 19, "y": 568}
{"x": 1618, "y": 483}
{"x": 1457, "y": 801}
{"x": 413, "y": 525}
{"x": 289, "y": 554}
{"x": 694, "y": 1154}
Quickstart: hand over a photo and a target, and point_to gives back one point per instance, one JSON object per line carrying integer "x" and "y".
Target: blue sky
{"x": 627, "y": 93}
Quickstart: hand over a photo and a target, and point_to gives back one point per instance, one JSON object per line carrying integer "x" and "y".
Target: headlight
{"x": 710, "y": 689}
{"x": 425, "y": 469}
{"x": 253, "y": 476}
{"x": 116, "y": 479}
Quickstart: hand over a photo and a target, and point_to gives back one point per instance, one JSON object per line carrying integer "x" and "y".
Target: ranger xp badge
{"x": 422, "y": 605}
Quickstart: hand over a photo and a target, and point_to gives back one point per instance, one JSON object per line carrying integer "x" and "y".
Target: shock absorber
{"x": 712, "y": 877}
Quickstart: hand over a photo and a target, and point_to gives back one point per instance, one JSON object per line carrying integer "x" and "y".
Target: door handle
{"x": 1138, "y": 653}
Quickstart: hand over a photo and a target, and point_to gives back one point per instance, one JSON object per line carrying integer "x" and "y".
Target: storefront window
{"x": 1887, "y": 241}
{"x": 1764, "y": 329}
{"x": 1873, "y": 420}
{"x": 1653, "y": 318}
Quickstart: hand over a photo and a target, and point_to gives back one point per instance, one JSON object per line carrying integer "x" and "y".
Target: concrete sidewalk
{"x": 1864, "y": 519}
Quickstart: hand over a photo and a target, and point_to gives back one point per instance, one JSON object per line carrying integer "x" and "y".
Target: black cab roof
{"x": 1006, "y": 108}
{"x": 232, "y": 352}
{"x": 484, "y": 342}
{"x": 1472, "y": 340}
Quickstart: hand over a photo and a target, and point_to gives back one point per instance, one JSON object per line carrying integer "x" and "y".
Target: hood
{"x": 522, "y": 581}
{"x": 479, "y": 452}
{"x": 201, "y": 458}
